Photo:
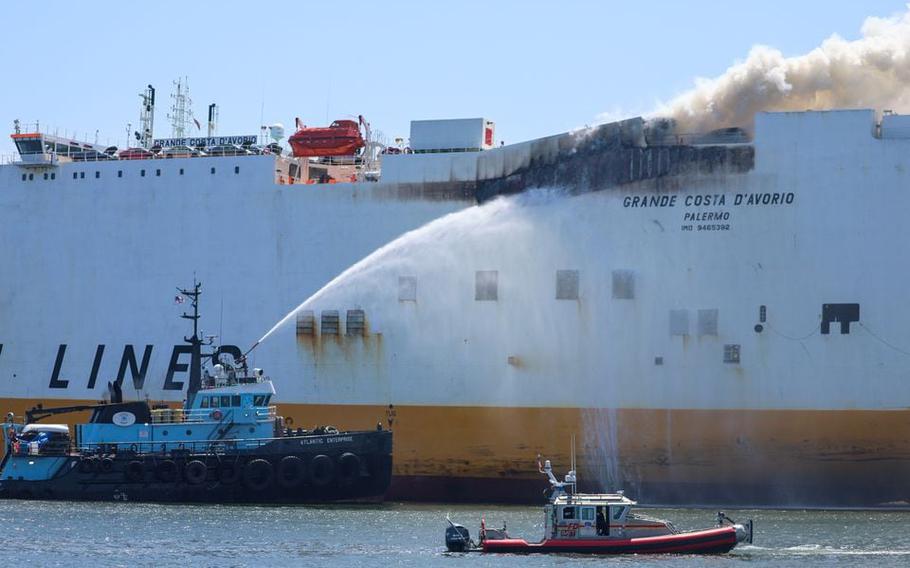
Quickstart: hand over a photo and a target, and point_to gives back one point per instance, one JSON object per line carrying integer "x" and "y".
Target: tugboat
{"x": 225, "y": 445}
{"x": 582, "y": 523}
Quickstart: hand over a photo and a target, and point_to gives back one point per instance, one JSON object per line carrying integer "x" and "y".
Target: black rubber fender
{"x": 134, "y": 471}
{"x": 167, "y": 471}
{"x": 348, "y": 468}
{"x": 229, "y": 472}
{"x": 291, "y": 472}
{"x": 257, "y": 474}
{"x": 322, "y": 470}
{"x": 195, "y": 472}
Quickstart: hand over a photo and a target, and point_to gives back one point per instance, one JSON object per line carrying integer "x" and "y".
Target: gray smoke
{"x": 870, "y": 72}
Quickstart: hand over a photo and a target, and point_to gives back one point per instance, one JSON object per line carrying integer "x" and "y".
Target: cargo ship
{"x": 713, "y": 314}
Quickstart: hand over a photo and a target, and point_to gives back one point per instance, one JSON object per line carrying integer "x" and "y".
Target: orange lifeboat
{"x": 341, "y": 138}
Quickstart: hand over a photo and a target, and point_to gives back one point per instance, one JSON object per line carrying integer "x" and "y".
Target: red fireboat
{"x": 341, "y": 138}
{"x": 582, "y": 523}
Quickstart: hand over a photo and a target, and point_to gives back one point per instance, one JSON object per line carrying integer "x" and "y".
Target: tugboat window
{"x": 225, "y": 401}
{"x": 235, "y": 400}
{"x": 568, "y": 512}
{"x": 258, "y": 400}
{"x": 205, "y": 403}
{"x": 214, "y": 402}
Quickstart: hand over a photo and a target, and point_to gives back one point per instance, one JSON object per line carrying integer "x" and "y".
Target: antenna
{"x": 181, "y": 110}
{"x": 146, "y": 119}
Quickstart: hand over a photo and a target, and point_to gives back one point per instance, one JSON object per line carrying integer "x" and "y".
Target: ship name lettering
{"x": 764, "y": 198}
{"x": 340, "y": 439}
{"x": 705, "y": 200}
{"x": 649, "y": 201}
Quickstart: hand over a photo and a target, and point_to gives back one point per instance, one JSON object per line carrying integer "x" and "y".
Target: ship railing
{"x": 181, "y": 415}
{"x": 177, "y": 448}
{"x": 6, "y": 159}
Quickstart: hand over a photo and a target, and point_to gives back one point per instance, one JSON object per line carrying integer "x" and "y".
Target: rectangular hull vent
{"x": 355, "y": 323}
{"x": 306, "y": 323}
{"x": 566, "y": 284}
{"x": 329, "y": 324}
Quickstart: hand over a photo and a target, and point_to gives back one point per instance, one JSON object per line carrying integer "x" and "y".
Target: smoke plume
{"x": 870, "y": 72}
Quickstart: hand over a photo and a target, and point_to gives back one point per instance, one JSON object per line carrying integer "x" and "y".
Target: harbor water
{"x": 134, "y": 534}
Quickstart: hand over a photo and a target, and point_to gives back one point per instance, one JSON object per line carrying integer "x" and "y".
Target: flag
{"x": 178, "y": 299}
{"x": 198, "y": 126}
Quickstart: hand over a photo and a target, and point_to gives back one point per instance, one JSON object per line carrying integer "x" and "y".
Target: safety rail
{"x": 6, "y": 159}
{"x": 216, "y": 447}
{"x": 180, "y": 415}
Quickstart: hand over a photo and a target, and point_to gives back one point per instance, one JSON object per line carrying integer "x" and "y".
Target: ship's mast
{"x": 213, "y": 119}
{"x": 194, "y": 340}
{"x": 147, "y": 118}
{"x": 181, "y": 110}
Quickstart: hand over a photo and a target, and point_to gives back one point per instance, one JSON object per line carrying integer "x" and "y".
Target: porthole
{"x": 181, "y": 171}
{"x": 236, "y": 169}
{"x": 252, "y": 429}
{"x": 157, "y": 172}
{"x": 142, "y": 173}
{"x": 119, "y": 173}
{"x": 189, "y": 432}
{"x": 164, "y": 432}
{"x": 31, "y": 177}
{"x": 97, "y": 175}
{"x": 24, "y": 177}
{"x": 213, "y": 170}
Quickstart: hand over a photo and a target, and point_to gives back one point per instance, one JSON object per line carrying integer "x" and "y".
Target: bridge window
{"x": 225, "y": 401}
{"x": 214, "y": 402}
{"x": 259, "y": 400}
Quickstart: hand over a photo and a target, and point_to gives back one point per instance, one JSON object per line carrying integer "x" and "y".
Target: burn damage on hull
{"x": 622, "y": 153}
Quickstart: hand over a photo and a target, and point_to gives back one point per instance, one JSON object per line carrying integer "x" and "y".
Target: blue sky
{"x": 536, "y": 68}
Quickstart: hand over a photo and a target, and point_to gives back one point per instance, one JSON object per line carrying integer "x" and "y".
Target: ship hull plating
{"x": 328, "y": 474}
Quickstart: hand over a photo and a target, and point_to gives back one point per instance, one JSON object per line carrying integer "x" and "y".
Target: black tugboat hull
{"x": 345, "y": 467}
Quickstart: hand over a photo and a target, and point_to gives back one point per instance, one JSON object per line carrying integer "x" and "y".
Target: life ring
{"x": 291, "y": 471}
{"x": 195, "y": 472}
{"x": 217, "y": 415}
{"x": 88, "y": 464}
{"x": 228, "y": 472}
{"x": 257, "y": 474}
{"x": 322, "y": 470}
{"x": 166, "y": 471}
{"x": 135, "y": 471}
{"x": 106, "y": 465}
{"x": 348, "y": 468}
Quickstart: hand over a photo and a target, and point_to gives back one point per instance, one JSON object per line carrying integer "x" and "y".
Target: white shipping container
{"x": 452, "y": 135}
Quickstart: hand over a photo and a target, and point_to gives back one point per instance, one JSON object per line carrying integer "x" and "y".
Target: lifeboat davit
{"x": 341, "y": 138}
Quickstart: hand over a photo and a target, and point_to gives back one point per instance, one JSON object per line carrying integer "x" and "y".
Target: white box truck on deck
{"x": 452, "y": 135}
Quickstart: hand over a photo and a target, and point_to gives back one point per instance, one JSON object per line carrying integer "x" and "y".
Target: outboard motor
{"x": 458, "y": 539}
